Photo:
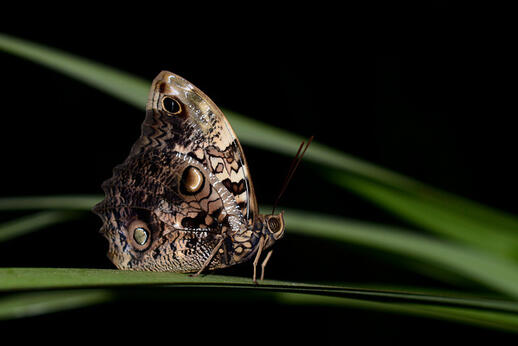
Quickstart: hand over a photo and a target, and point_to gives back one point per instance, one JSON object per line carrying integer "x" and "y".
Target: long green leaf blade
{"x": 482, "y": 318}
{"x": 30, "y": 223}
{"x": 479, "y": 311}
{"x": 436, "y": 216}
{"x": 134, "y": 90}
{"x": 476, "y": 312}
{"x": 119, "y": 84}
{"x": 494, "y": 272}
{"x": 39, "y": 303}
{"x": 498, "y": 273}
{"x": 16, "y": 279}
{"x": 64, "y": 202}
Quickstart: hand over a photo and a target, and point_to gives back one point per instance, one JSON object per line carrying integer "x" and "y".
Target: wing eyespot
{"x": 171, "y": 105}
{"x": 139, "y": 235}
{"x": 192, "y": 181}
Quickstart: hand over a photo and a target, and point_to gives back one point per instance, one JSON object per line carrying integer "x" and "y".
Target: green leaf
{"x": 134, "y": 91}
{"x": 68, "y": 202}
{"x": 38, "y": 303}
{"x": 454, "y": 210}
{"x": 119, "y": 84}
{"x": 496, "y": 273}
{"x": 480, "y": 317}
{"x": 30, "y": 223}
{"x": 439, "y": 217}
{"x": 23, "y": 279}
{"x": 485, "y": 312}
{"x": 488, "y": 230}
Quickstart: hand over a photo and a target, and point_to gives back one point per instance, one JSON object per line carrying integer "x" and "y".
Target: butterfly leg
{"x": 211, "y": 256}
{"x": 266, "y": 259}
{"x": 257, "y": 256}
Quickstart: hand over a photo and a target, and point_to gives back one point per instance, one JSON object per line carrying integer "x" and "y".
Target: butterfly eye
{"x": 171, "y": 105}
{"x": 139, "y": 234}
{"x": 274, "y": 225}
{"x": 192, "y": 180}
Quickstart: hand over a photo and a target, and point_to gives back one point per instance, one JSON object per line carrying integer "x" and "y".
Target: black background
{"x": 422, "y": 91}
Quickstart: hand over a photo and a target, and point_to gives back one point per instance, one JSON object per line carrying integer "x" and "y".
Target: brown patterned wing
{"x": 184, "y": 185}
{"x": 196, "y": 127}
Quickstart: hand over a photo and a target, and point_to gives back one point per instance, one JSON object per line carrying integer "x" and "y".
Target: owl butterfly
{"x": 183, "y": 200}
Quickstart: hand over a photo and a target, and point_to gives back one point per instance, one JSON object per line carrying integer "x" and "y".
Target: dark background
{"x": 422, "y": 91}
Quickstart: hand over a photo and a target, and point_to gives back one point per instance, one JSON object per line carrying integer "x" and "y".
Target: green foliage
{"x": 470, "y": 240}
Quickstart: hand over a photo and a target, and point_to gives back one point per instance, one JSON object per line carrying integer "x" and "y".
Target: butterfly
{"x": 183, "y": 200}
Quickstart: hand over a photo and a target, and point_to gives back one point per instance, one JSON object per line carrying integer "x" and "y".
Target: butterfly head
{"x": 273, "y": 227}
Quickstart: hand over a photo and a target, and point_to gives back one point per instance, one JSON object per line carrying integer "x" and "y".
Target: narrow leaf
{"x": 17, "y": 279}
{"x": 38, "y": 303}
{"x": 482, "y": 318}
{"x": 67, "y": 202}
{"x": 494, "y": 272}
{"x": 119, "y": 84}
{"x": 134, "y": 90}
{"x": 437, "y": 216}
{"x": 482, "y": 267}
{"x": 30, "y": 223}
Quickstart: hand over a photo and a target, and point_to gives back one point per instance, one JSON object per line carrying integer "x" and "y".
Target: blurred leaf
{"x": 16, "y": 279}
{"x": 441, "y": 212}
{"x": 439, "y": 217}
{"x": 68, "y": 202}
{"x": 134, "y": 91}
{"x": 491, "y": 313}
{"x": 116, "y": 83}
{"x": 38, "y": 303}
{"x": 454, "y": 210}
{"x": 30, "y": 223}
{"x": 496, "y": 273}
{"x": 483, "y": 318}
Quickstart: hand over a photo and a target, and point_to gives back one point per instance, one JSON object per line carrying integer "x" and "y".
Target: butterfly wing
{"x": 186, "y": 179}
{"x": 200, "y": 130}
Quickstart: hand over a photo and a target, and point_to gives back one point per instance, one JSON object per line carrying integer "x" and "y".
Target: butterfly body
{"x": 183, "y": 200}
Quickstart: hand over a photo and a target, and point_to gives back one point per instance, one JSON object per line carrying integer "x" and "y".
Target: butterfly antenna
{"x": 287, "y": 178}
{"x": 293, "y": 167}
